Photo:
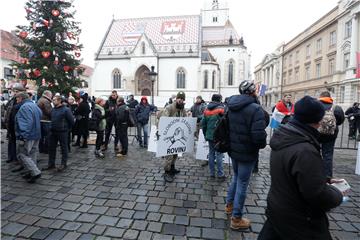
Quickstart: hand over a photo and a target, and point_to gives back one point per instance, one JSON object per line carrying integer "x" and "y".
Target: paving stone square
{"x": 128, "y": 199}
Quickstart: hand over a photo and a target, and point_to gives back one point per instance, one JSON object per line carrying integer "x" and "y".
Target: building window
{"x": 318, "y": 45}
{"x": 180, "y": 78}
{"x": 290, "y": 60}
{"x": 355, "y": 94}
{"x": 331, "y": 66}
{"x": 318, "y": 70}
{"x": 284, "y": 78}
{"x": 213, "y": 80}
{"x": 143, "y": 49}
{"x": 348, "y": 26}
{"x": 332, "y": 41}
{"x": 116, "y": 77}
{"x": 214, "y": 19}
{"x": 308, "y": 51}
{"x": 290, "y": 76}
{"x": 206, "y": 79}
{"x": 297, "y": 74}
{"x": 307, "y": 72}
{"x": 285, "y": 61}
{"x": 297, "y": 56}
{"x": 231, "y": 73}
{"x": 346, "y": 60}
{"x": 342, "y": 94}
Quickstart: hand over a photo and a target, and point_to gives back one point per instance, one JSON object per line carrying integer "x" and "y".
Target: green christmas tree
{"x": 50, "y": 49}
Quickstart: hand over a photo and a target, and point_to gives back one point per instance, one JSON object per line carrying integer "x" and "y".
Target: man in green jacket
{"x": 214, "y": 111}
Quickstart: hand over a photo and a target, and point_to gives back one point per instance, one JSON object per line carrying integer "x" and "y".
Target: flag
{"x": 358, "y": 65}
{"x": 262, "y": 90}
{"x": 276, "y": 119}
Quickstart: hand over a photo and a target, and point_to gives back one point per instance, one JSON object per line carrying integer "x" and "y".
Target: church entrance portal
{"x": 142, "y": 81}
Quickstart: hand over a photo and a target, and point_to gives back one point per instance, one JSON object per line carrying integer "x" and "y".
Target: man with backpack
{"x": 142, "y": 114}
{"x": 334, "y": 116}
{"x": 212, "y": 114}
{"x": 247, "y": 135}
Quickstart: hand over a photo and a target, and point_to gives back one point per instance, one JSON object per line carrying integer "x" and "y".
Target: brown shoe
{"x": 239, "y": 223}
{"x": 229, "y": 208}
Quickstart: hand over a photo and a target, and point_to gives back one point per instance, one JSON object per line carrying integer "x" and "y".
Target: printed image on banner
{"x": 276, "y": 119}
{"x": 202, "y": 149}
{"x": 152, "y": 147}
{"x": 176, "y": 135}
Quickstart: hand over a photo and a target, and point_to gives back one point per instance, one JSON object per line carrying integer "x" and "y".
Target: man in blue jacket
{"x": 28, "y": 134}
{"x": 247, "y": 135}
{"x": 62, "y": 121}
{"x": 142, "y": 113}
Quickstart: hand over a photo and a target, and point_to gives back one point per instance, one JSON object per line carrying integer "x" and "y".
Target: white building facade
{"x": 198, "y": 54}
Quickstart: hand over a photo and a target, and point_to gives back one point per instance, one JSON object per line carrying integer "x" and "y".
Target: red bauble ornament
{"x": 45, "y": 54}
{"x": 77, "y": 54}
{"x": 66, "y": 68}
{"x": 37, "y": 72}
{"x": 23, "y": 34}
{"x": 55, "y": 12}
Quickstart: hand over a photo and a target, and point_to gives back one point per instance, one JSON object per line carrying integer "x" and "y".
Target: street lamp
{"x": 152, "y": 75}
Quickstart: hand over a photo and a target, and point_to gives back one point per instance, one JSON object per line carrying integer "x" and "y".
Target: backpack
{"x": 222, "y": 135}
{"x": 328, "y": 123}
{"x": 93, "y": 122}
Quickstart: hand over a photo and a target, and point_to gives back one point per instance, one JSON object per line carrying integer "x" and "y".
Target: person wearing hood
{"x": 212, "y": 114}
{"x": 99, "y": 115}
{"x": 247, "y": 135}
{"x": 334, "y": 116}
{"x": 82, "y": 116}
{"x": 299, "y": 195}
{"x": 142, "y": 114}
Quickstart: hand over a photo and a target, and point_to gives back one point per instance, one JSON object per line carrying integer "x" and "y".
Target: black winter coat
{"x": 299, "y": 196}
{"x": 110, "y": 108}
{"x": 83, "y": 111}
{"x": 247, "y": 127}
{"x": 62, "y": 119}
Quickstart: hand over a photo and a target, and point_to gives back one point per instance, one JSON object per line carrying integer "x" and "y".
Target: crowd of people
{"x": 301, "y": 160}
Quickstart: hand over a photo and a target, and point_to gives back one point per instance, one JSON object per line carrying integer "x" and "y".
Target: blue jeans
{"x": 237, "y": 189}
{"x": 145, "y": 128}
{"x": 219, "y": 160}
{"x": 327, "y": 151}
{"x": 44, "y": 141}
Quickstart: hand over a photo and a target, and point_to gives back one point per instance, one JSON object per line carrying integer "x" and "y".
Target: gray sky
{"x": 264, "y": 24}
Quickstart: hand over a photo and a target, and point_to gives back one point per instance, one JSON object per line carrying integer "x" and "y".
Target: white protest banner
{"x": 176, "y": 135}
{"x": 152, "y": 146}
{"x": 357, "y": 167}
{"x": 202, "y": 149}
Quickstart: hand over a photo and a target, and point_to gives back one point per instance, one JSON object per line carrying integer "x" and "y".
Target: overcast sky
{"x": 264, "y": 24}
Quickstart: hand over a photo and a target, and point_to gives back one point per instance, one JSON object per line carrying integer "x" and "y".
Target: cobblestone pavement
{"x": 128, "y": 199}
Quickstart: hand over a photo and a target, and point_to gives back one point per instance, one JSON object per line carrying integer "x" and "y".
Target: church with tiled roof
{"x": 198, "y": 54}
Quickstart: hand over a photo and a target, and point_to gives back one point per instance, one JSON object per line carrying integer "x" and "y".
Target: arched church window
{"x": 231, "y": 73}
{"x": 116, "y": 78}
{"x": 143, "y": 49}
{"x": 206, "y": 79}
{"x": 180, "y": 78}
{"x": 213, "y": 80}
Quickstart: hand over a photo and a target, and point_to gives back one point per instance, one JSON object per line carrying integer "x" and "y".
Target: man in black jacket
{"x": 110, "y": 108}
{"x": 62, "y": 121}
{"x": 353, "y": 114}
{"x": 299, "y": 195}
{"x": 247, "y": 135}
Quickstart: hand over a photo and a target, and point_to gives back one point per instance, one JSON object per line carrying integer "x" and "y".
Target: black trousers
{"x": 54, "y": 138}
{"x": 122, "y": 132}
{"x": 109, "y": 125}
{"x": 99, "y": 139}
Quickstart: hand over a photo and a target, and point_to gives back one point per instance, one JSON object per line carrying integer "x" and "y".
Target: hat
{"x": 23, "y": 95}
{"x": 308, "y": 110}
{"x": 180, "y": 95}
{"x": 216, "y": 97}
{"x": 247, "y": 87}
{"x": 18, "y": 87}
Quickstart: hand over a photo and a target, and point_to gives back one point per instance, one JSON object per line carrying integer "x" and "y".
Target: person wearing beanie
{"x": 299, "y": 195}
{"x": 142, "y": 116}
{"x": 176, "y": 109}
{"x": 214, "y": 111}
{"x": 247, "y": 135}
{"x": 197, "y": 111}
{"x": 82, "y": 117}
{"x": 99, "y": 115}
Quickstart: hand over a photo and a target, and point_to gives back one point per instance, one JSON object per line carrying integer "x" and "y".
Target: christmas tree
{"x": 50, "y": 51}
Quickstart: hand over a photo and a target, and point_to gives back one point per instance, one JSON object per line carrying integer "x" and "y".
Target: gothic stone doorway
{"x": 142, "y": 81}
